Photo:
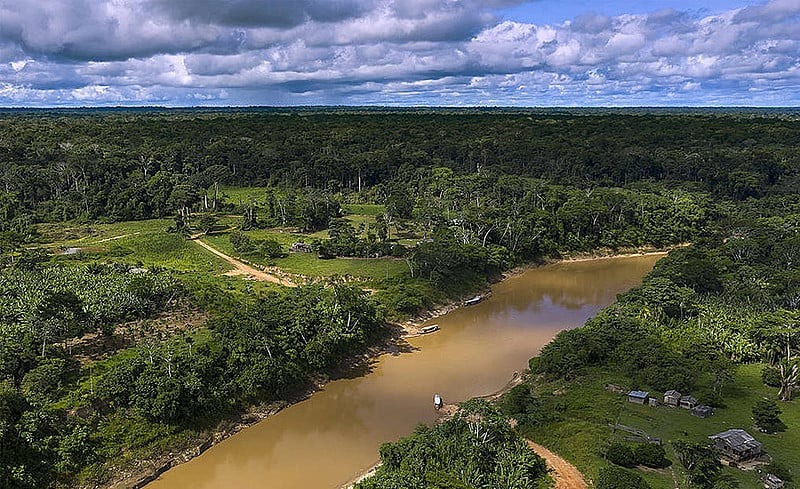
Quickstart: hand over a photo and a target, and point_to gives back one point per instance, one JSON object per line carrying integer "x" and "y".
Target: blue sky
{"x": 399, "y": 52}
{"x": 554, "y": 11}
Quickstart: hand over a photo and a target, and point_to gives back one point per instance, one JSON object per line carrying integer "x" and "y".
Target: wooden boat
{"x": 429, "y": 329}
{"x": 473, "y": 301}
{"x": 437, "y": 401}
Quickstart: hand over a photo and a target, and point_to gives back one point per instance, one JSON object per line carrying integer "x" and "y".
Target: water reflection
{"x": 325, "y": 441}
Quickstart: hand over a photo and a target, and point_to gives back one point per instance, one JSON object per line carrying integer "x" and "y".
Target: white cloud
{"x": 368, "y": 51}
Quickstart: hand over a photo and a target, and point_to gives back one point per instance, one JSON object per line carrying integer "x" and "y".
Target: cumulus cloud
{"x": 448, "y": 52}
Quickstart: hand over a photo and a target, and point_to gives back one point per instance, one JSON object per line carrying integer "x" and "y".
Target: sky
{"x": 538, "y": 53}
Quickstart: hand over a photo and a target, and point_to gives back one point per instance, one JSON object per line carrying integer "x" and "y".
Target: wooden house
{"x": 702, "y": 411}
{"x": 689, "y": 402}
{"x": 773, "y": 482}
{"x": 737, "y": 445}
{"x": 300, "y": 247}
{"x": 638, "y": 397}
{"x": 672, "y": 398}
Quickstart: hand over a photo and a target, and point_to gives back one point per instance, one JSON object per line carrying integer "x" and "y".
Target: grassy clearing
{"x": 237, "y": 195}
{"x": 137, "y": 242}
{"x": 587, "y": 410}
{"x": 147, "y": 243}
{"x": 364, "y": 209}
{"x": 167, "y": 250}
{"x": 75, "y": 234}
{"x": 367, "y": 268}
{"x": 309, "y": 264}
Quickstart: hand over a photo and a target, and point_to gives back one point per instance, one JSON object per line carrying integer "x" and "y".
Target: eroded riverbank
{"x": 337, "y": 431}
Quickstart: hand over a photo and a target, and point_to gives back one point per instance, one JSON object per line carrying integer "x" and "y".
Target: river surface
{"x": 332, "y": 437}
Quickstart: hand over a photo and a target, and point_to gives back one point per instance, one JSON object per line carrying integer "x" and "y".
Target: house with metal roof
{"x": 672, "y": 398}
{"x": 638, "y": 397}
{"x": 702, "y": 411}
{"x": 737, "y": 445}
{"x": 689, "y": 402}
{"x": 773, "y": 482}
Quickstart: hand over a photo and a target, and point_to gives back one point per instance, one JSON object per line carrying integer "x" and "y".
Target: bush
{"x": 710, "y": 398}
{"x": 620, "y": 454}
{"x": 765, "y": 414}
{"x": 779, "y": 470}
{"x": 241, "y": 242}
{"x": 651, "y": 455}
{"x": 619, "y": 478}
{"x": 270, "y": 248}
{"x": 771, "y": 376}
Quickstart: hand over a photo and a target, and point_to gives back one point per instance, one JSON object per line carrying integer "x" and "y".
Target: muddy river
{"x": 327, "y": 440}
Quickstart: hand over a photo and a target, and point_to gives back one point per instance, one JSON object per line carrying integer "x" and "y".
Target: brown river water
{"x": 330, "y": 438}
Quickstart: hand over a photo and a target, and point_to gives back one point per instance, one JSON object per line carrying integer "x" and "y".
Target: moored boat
{"x": 473, "y": 301}
{"x": 429, "y": 329}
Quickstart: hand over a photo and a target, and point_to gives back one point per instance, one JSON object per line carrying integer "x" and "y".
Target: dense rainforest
{"x": 96, "y": 372}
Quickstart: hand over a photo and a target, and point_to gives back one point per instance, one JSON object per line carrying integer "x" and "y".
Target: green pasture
{"x": 588, "y": 411}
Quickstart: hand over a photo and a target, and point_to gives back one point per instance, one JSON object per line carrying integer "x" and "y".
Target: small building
{"x": 672, "y": 398}
{"x": 689, "y": 402}
{"x": 702, "y": 411}
{"x": 638, "y": 397}
{"x": 737, "y": 445}
{"x": 653, "y": 402}
{"x": 773, "y": 482}
{"x": 300, "y": 247}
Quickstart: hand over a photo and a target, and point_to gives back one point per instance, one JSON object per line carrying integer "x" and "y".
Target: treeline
{"x": 476, "y": 449}
{"x": 700, "y": 310}
{"x": 703, "y": 311}
{"x": 62, "y": 422}
{"x": 131, "y": 165}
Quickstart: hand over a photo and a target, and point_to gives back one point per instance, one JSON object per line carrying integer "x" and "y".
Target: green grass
{"x": 309, "y": 264}
{"x": 588, "y": 409}
{"x": 364, "y": 209}
{"x": 75, "y": 234}
{"x": 138, "y": 242}
{"x": 170, "y": 251}
{"x": 367, "y": 268}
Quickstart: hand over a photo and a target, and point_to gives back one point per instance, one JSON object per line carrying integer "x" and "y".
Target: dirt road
{"x": 564, "y": 473}
{"x": 243, "y": 269}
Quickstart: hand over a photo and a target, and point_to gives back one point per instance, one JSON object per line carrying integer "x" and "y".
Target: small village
{"x": 737, "y": 448}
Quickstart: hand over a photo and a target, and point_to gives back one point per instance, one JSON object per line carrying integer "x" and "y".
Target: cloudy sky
{"x": 399, "y": 52}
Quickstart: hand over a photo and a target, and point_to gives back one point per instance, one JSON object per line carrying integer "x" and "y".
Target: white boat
{"x": 429, "y": 329}
{"x": 473, "y": 301}
{"x": 437, "y": 401}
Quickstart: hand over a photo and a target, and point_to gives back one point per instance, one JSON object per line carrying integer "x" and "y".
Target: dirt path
{"x": 565, "y": 474}
{"x": 242, "y": 269}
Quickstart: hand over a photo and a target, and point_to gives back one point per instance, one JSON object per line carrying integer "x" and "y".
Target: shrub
{"x": 619, "y": 478}
{"x": 620, "y": 454}
{"x": 771, "y": 376}
{"x": 241, "y": 242}
{"x": 779, "y": 470}
{"x": 765, "y": 414}
{"x": 270, "y": 248}
{"x": 651, "y": 455}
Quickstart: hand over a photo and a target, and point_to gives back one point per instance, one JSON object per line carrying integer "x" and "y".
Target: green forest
{"x": 125, "y": 334}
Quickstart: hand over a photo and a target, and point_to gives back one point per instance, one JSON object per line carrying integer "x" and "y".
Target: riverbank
{"x": 362, "y": 365}
{"x": 411, "y": 327}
